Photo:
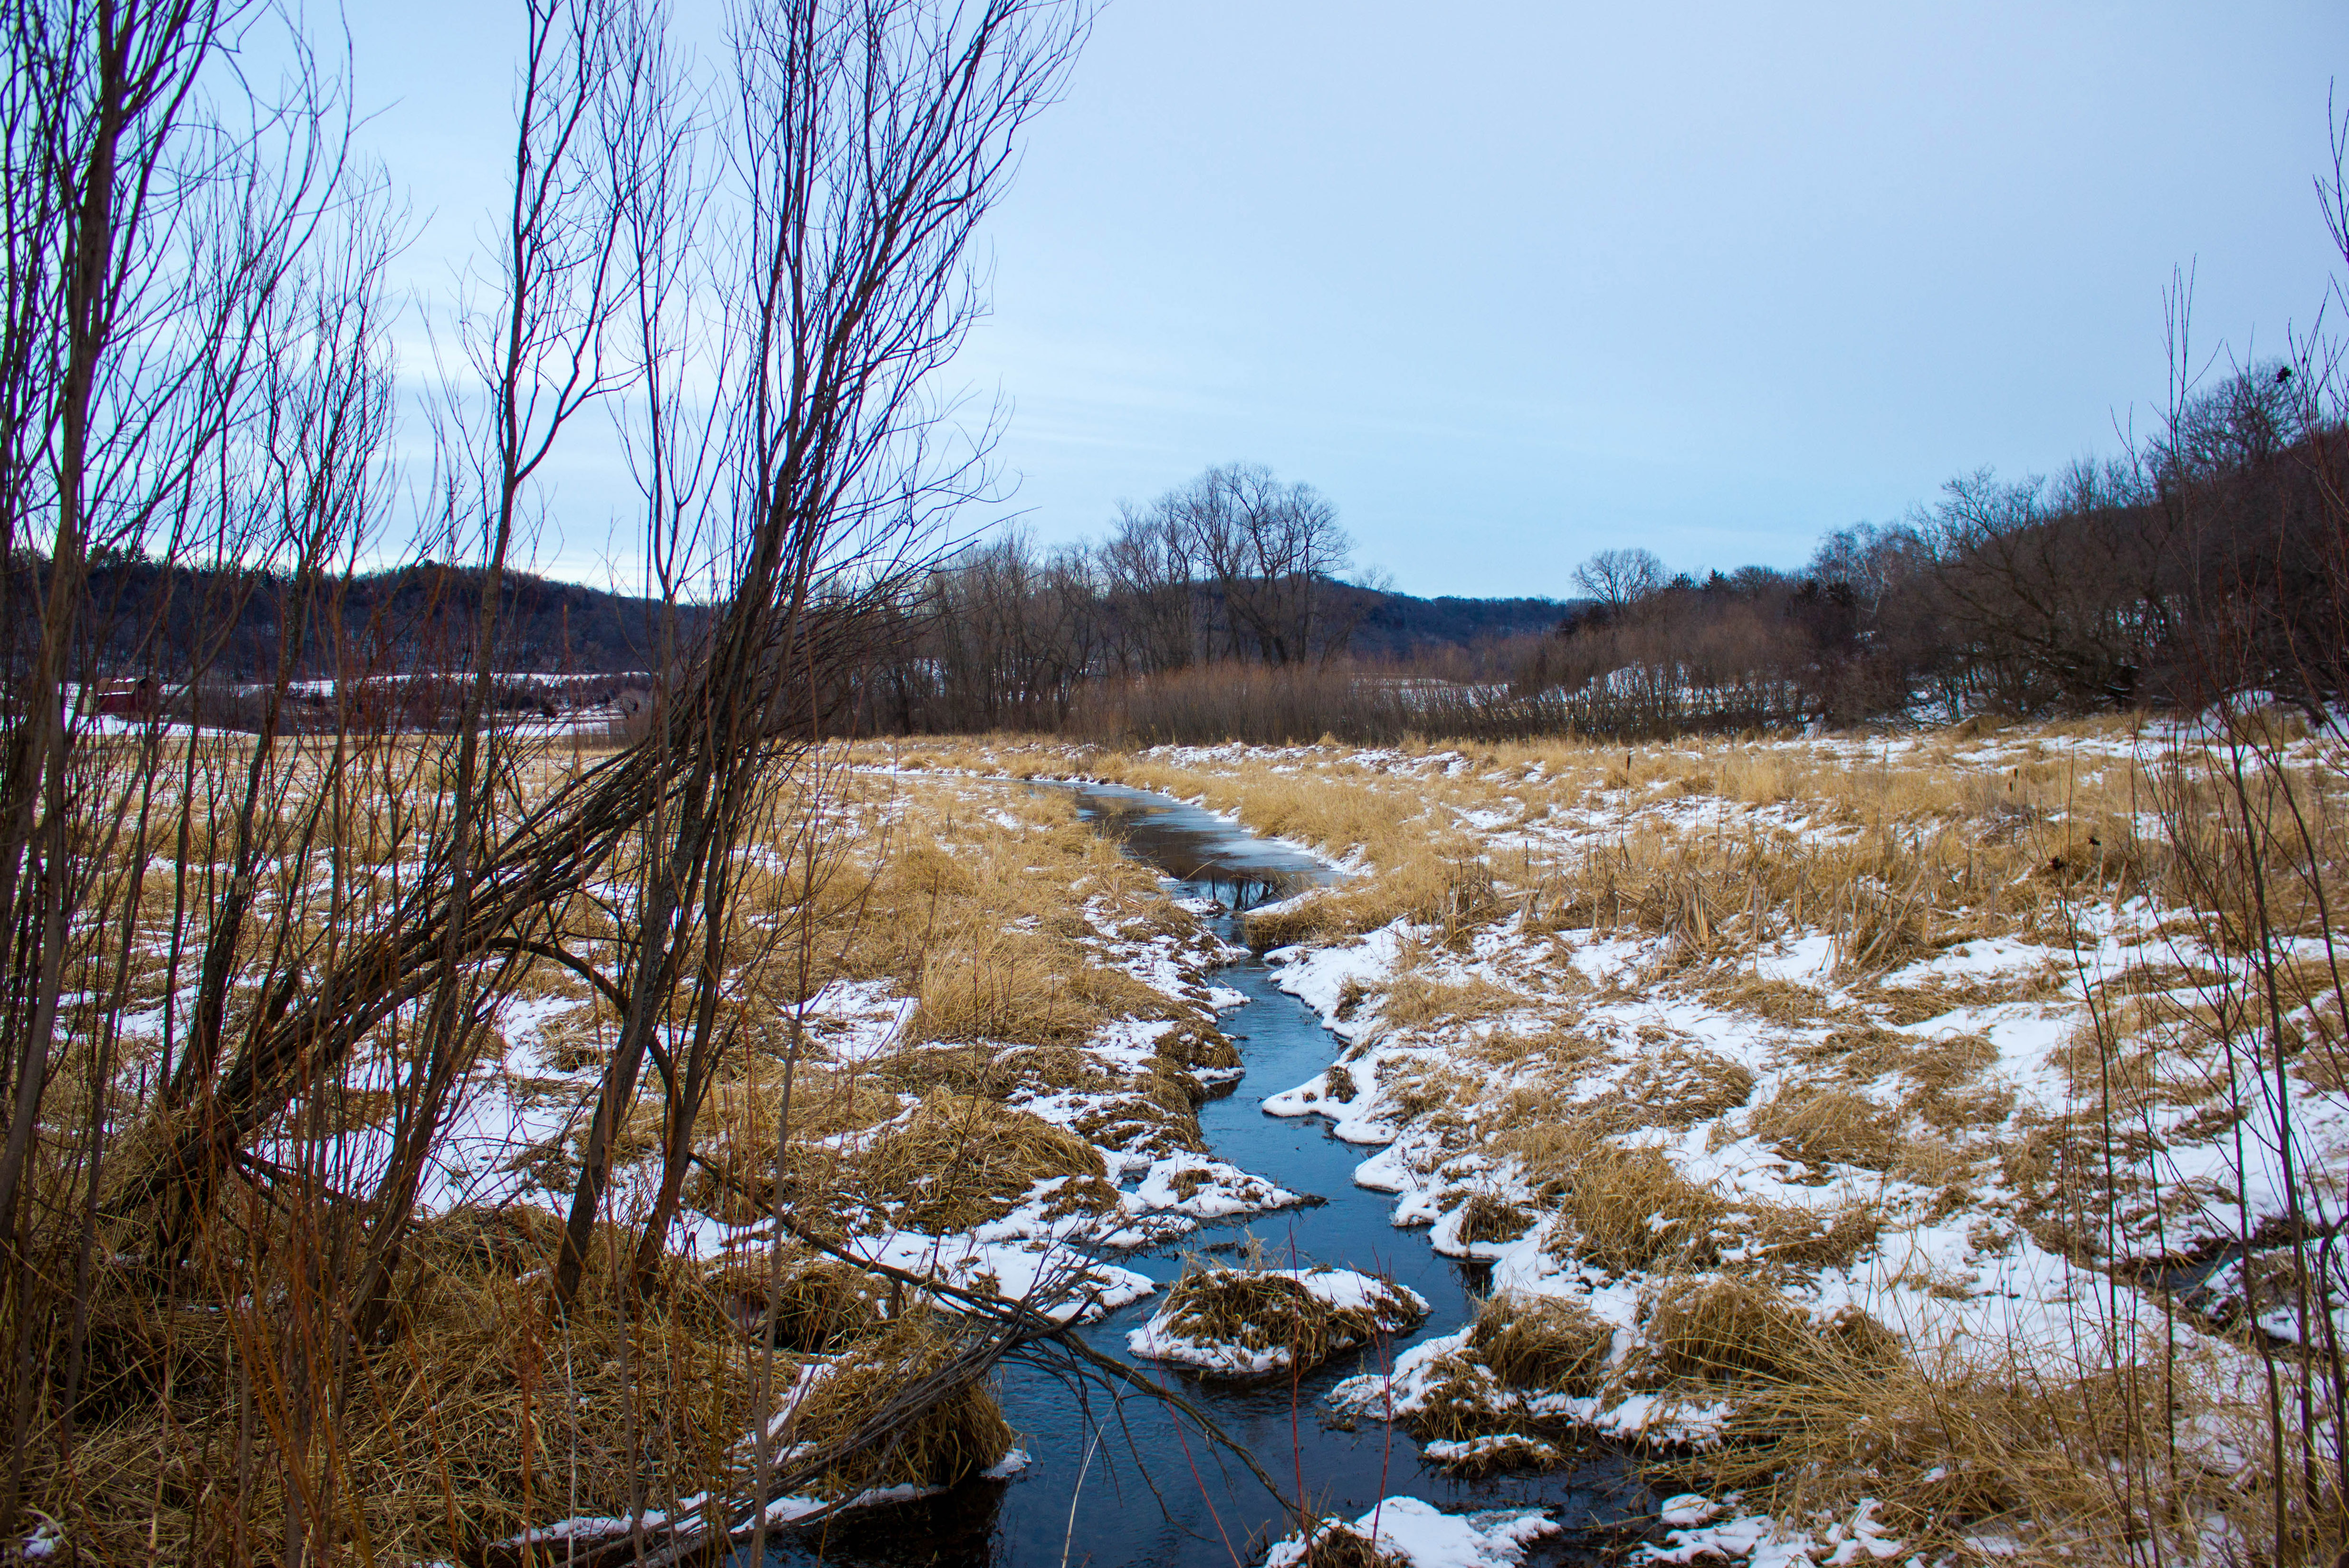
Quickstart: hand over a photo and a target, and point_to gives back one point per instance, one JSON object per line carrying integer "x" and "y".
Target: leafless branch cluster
{"x": 757, "y": 282}
{"x": 1235, "y": 566}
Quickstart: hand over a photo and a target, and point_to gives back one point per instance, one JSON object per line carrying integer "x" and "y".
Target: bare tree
{"x": 191, "y": 372}
{"x": 1620, "y": 578}
{"x": 872, "y": 140}
{"x": 1271, "y": 549}
{"x": 146, "y": 245}
{"x": 194, "y": 363}
{"x": 1149, "y": 578}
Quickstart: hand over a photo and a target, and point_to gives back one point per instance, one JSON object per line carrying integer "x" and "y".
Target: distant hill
{"x": 230, "y": 623}
{"x": 1401, "y": 627}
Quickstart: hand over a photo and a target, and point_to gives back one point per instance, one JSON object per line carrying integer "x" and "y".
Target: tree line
{"x": 1235, "y": 565}
{"x": 2199, "y": 562}
{"x": 2206, "y": 561}
{"x": 171, "y": 618}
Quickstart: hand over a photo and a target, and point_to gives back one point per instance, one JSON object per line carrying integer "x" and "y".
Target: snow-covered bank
{"x": 1250, "y": 1322}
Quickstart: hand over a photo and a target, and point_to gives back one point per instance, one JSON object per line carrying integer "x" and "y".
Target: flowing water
{"x": 1154, "y": 1492}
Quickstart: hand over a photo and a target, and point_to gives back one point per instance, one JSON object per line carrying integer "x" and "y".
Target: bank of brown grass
{"x": 2060, "y": 1468}
{"x": 1923, "y": 856}
{"x": 485, "y": 1417}
{"x": 960, "y": 1160}
{"x": 1793, "y": 1238}
{"x": 1675, "y": 1084}
{"x": 1443, "y": 885}
{"x": 1020, "y": 989}
{"x": 1488, "y": 1219}
{"x": 816, "y": 1304}
{"x": 952, "y": 1441}
{"x": 1341, "y": 809}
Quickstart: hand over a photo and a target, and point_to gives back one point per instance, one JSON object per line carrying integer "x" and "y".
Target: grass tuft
{"x": 960, "y": 1160}
{"x": 951, "y": 1441}
{"x": 1542, "y": 1342}
{"x": 1262, "y": 1310}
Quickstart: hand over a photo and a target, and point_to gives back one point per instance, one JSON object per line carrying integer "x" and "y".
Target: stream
{"x": 1155, "y": 1493}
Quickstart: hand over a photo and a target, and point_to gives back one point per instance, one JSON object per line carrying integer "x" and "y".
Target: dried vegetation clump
{"x": 1488, "y": 1219}
{"x": 1334, "y": 1544}
{"x": 938, "y": 1445}
{"x": 804, "y": 1302}
{"x": 1971, "y": 1444}
{"x": 1629, "y": 1210}
{"x": 960, "y": 1160}
{"x": 1542, "y": 1342}
{"x": 1824, "y": 1126}
{"x": 1707, "y": 1330}
{"x": 1262, "y": 1310}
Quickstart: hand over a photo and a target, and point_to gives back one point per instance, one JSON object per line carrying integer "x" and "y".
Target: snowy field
{"x": 1900, "y": 1141}
{"x": 1884, "y": 1111}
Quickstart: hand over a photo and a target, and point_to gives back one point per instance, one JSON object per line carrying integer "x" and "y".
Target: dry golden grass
{"x": 1710, "y": 1329}
{"x": 952, "y": 1442}
{"x": 1923, "y": 848}
{"x": 1829, "y": 1126}
{"x": 1261, "y": 1311}
{"x": 1541, "y": 1344}
{"x": 1629, "y": 1210}
{"x": 1416, "y": 1000}
{"x": 2063, "y": 1469}
{"x": 1795, "y": 1240}
{"x": 1489, "y": 1219}
{"x": 816, "y": 1304}
{"x": 1699, "y": 859}
{"x": 486, "y": 1415}
{"x": 1334, "y": 1543}
{"x": 1443, "y": 886}
{"x": 960, "y": 1160}
{"x": 1014, "y": 987}
{"x": 1677, "y": 1085}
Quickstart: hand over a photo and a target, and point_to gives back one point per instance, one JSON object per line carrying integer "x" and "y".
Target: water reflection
{"x": 1210, "y": 856}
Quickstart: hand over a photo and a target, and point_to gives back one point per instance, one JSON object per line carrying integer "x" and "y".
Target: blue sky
{"x": 1517, "y": 281}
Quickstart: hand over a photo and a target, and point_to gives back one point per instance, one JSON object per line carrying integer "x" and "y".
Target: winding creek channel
{"x": 1131, "y": 1487}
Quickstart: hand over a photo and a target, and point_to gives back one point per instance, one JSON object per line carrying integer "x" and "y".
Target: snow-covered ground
{"x": 1904, "y": 1038}
{"x": 1425, "y": 1537}
{"x": 1879, "y": 1041}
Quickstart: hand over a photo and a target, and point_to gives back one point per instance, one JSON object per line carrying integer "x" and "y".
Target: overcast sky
{"x": 1514, "y": 282}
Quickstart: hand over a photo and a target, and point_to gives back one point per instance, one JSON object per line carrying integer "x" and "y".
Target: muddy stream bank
{"x": 1155, "y": 1494}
